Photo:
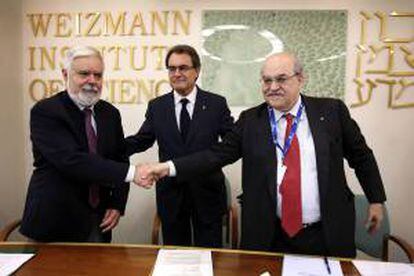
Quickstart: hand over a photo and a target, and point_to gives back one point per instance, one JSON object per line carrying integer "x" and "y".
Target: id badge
{"x": 281, "y": 170}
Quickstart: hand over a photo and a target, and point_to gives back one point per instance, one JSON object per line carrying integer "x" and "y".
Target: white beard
{"x": 88, "y": 96}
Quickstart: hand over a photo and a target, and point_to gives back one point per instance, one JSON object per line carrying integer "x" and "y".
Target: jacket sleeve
{"x": 145, "y": 137}
{"x": 227, "y": 121}
{"x": 228, "y": 151}
{"x": 54, "y": 139}
{"x": 360, "y": 157}
{"x": 119, "y": 193}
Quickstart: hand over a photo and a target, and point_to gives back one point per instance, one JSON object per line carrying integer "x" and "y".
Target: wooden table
{"x": 117, "y": 259}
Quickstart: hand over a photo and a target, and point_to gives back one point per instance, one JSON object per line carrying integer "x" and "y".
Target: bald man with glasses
{"x": 295, "y": 195}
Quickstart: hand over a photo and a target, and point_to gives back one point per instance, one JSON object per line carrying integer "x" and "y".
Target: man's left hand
{"x": 110, "y": 220}
{"x": 375, "y": 216}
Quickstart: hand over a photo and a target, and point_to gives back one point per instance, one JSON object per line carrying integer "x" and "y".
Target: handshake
{"x": 147, "y": 174}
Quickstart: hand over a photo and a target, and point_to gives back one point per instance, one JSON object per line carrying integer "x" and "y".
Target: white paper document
{"x": 10, "y": 262}
{"x": 175, "y": 262}
{"x": 383, "y": 268}
{"x": 310, "y": 266}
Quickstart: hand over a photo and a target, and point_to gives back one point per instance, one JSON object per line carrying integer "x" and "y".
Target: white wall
{"x": 12, "y": 140}
{"x": 388, "y": 131}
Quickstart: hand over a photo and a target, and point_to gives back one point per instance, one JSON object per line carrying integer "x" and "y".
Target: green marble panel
{"x": 236, "y": 42}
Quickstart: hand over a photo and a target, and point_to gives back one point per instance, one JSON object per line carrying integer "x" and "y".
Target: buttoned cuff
{"x": 130, "y": 175}
{"x": 172, "y": 170}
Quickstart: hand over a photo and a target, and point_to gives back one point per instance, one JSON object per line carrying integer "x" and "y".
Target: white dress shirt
{"x": 131, "y": 170}
{"x": 191, "y": 97}
{"x": 309, "y": 176}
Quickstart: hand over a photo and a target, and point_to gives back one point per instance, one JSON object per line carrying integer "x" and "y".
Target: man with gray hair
{"x": 78, "y": 188}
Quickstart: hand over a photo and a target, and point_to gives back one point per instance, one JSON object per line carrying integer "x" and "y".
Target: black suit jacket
{"x": 57, "y": 207}
{"x": 336, "y": 136}
{"x": 211, "y": 119}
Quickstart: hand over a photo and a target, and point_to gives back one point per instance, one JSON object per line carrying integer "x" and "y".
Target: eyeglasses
{"x": 84, "y": 74}
{"x": 181, "y": 69}
{"x": 278, "y": 79}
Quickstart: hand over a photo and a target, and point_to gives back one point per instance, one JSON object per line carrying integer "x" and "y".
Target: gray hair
{"x": 297, "y": 64}
{"x": 80, "y": 51}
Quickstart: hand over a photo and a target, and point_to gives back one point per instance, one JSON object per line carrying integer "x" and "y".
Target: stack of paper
{"x": 9, "y": 263}
{"x": 174, "y": 262}
{"x": 383, "y": 268}
{"x": 301, "y": 266}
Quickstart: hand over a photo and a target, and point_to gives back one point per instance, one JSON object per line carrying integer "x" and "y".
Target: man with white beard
{"x": 79, "y": 186}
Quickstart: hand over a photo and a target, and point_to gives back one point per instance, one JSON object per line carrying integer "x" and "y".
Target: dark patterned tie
{"x": 184, "y": 119}
{"x": 290, "y": 187}
{"x": 92, "y": 142}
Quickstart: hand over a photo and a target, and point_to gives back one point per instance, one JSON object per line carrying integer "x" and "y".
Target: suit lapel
{"x": 264, "y": 141}
{"x": 200, "y": 108}
{"x": 101, "y": 125}
{"x": 317, "y": 120}
{"x": 170, "y": 118}
{"x": 75, "y": 118}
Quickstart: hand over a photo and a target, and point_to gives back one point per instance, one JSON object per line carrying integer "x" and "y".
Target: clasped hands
{"x": 147, "y": 174}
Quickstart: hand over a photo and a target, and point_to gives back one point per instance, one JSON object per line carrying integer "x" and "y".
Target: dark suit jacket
{"x": 336, "y": 137}
{"x": 211, "y": 119}
{"x": 57, "y": 207}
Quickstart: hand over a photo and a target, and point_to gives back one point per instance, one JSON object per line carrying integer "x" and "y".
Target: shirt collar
{"x": 81, "y": 107}
{"x": 294, "y": 110}
{"x": 191, "y": 97}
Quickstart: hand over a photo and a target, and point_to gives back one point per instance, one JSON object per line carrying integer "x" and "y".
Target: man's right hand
{"x": 146, "y": 174}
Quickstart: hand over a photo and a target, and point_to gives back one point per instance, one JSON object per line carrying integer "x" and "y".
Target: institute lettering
{"x": 131, "y": 42}
{"x": 96, "y": 24}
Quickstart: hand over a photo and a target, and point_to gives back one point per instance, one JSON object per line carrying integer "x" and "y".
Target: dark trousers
{"x": 188, "y": 226}
{"x": 96, "y": 234}
{"x": 309, "y": 241}
{"x": 205, "y": 234}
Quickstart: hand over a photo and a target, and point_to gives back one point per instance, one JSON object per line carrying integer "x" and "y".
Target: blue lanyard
{"x": 292, "y": 132}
